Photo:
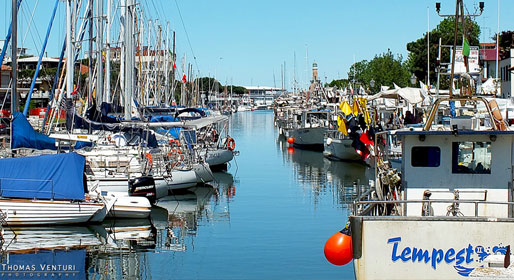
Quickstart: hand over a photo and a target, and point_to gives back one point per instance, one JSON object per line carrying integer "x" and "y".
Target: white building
{"x": 264, "y": 96}
{"x": 506, "y": 76}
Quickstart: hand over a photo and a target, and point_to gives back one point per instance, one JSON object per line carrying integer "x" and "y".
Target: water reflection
{"x": 108, "y": 251}
{"x": 177, "y": 217}
{"x": 116, "y": 249}
{"x": 320, "y": 175}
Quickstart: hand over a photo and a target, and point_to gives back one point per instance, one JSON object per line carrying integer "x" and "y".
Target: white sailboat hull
{"x": 182, "y": 179}
{"x": 203, "y": 173}
{"x": 218, "y": 157}
{"x": 130, "y": 207}
{"x": 40, "y": 212}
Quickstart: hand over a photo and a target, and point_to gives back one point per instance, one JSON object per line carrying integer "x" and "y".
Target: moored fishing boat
{"x": 446, "y": 215}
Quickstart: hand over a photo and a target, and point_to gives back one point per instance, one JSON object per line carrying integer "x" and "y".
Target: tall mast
{"x": 166, "y": 65}
{"x": 428, "y": 47}
{"x": 14, "y": 57}
{"x": 108, "y": 54}
{"x": 99, "y": 50}
{"x": 129, "y": 55}
{"x": 69, "y": 50}
{"x": 173, "y": 58}
{"x": 90, "y": 52}
{"x": 454, "y": 46}
{"x": 123, "y": 21}
{"x": 148, "y": 72}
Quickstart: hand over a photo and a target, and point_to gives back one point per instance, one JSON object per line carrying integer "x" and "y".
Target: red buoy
{"x": 338, "y": 248}
{"x": 290, "y": 140}
{"x": 290, "y": 150}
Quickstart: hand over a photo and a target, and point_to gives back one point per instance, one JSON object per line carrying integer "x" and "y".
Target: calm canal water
{"x": 268, "y": 217}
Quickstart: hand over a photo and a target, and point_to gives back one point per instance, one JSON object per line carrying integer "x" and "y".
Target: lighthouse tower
{"x": 314, "y": 72}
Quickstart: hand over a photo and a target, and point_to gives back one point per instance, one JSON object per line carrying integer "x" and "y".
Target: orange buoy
{"x": 338, "y": 248}
{"x": 231, "y": 144}
{"x": 290, "y": 140}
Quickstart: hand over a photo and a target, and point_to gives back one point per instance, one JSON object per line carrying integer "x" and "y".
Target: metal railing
{"x": 370, "y": 208}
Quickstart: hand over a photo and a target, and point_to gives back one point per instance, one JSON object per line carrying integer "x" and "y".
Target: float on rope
{"x": 338, "y": 248}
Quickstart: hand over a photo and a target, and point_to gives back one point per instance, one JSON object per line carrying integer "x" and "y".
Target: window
{"x": 425, "y": 156}
{"x": 471, "y": 157}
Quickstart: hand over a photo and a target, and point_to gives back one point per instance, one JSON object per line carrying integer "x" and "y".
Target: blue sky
{"x": 246, "y": 42}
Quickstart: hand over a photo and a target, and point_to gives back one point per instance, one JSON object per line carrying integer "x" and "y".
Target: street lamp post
{"x": 413, "y": 79}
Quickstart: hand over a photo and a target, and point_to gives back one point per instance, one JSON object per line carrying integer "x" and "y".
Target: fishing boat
{"x": 47, "y": 189}
{"x": 308, "y": 129}
{"x": 446, "y": 215}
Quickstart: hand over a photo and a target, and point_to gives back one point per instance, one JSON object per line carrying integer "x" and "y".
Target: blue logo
{"x": 459, "y": 258}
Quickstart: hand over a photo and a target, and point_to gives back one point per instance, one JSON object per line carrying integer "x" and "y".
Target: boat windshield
{"x": 471, "y": 157}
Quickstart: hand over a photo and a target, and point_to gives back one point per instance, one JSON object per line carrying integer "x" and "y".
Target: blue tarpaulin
{"x": 24, "y": 136}
{"x": 58, "y": 176}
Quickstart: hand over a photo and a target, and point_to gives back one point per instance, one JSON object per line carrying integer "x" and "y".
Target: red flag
{"x": 174, "y": 65}
{"x": 75, "y": 90}
{"x": 365, "y": 138}
{"x": 184, "y": 78}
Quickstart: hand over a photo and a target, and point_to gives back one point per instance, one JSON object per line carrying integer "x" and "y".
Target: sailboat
{"x": 47, "y": 189}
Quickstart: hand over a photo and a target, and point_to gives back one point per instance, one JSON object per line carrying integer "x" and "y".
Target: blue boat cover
{"x": 24, "y": 136}
{"x": 173, "y": 132}
{"x": 57, "y": 264}
{"x": 163, "y": 118}
{"x": 58, "y": 176}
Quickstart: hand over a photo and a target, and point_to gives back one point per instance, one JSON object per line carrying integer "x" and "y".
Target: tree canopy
{"x": 417, "y": 60}
{"x": 384, "y": 69}
{"x": 342, "y": 83}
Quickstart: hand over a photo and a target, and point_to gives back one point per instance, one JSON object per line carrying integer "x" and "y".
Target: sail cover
{"x": 58, "y": 176}
{"x": 24, "y": 136}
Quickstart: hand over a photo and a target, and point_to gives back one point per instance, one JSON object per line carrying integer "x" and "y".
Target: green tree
{"x": 417, "y": 60}
{"x": 384, "y": 69}
{"x": 341, "y": 83}
{"x": 208, "y": 84}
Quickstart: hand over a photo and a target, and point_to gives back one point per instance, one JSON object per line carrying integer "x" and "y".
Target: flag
{"x": 345, "y": 107}
{"x": 366, "y": 139}
{"x": 356, "y": 107}
{"x": 367, "y": 117}
{"x": 341, "y": 125}
{"x": 174, "y": 65}
{"x": 184, "y": 78}
{"x": 465, "y": 52}
{"x": 465, "y": 47}
{"x": 351, "y": 89}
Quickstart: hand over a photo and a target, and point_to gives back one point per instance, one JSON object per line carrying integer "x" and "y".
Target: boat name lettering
{"x": 434, "y": 256}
